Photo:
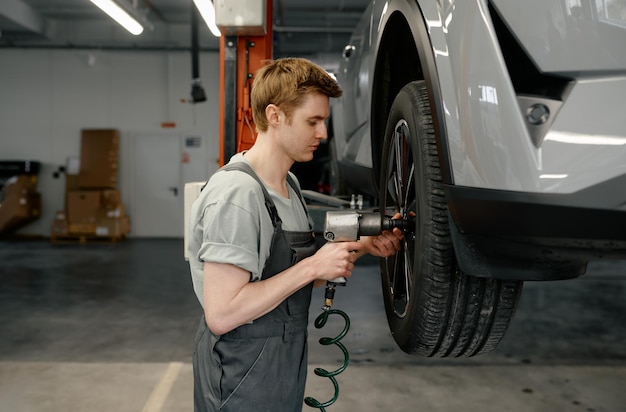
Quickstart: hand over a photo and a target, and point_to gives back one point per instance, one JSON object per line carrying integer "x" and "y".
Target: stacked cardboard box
{"x": 99, "y": 156}
{"x": 20, "y": 203}
{"x": 93, "y": 207}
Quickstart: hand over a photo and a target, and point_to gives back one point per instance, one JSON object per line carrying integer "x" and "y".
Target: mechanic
{"x": 253, "y": 257}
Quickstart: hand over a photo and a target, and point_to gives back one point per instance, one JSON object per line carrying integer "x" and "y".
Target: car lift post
{"x": 240, "y": 57}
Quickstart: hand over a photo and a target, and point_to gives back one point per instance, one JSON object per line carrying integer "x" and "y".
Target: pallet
{"x": 84, "y": 239}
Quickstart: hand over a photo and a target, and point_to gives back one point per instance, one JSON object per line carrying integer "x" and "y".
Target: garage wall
{"x": 48, "y": 96}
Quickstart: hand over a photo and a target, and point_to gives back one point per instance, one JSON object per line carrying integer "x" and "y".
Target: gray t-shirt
{"x": 229, "y": 223}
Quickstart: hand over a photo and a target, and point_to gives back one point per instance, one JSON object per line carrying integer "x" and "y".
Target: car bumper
{"x": 530, "y": 236}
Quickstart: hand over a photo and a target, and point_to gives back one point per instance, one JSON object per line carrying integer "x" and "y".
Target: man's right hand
{"x": 334, "y": 260}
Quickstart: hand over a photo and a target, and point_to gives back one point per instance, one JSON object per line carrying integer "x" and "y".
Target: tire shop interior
{"x": 105, "y": 136}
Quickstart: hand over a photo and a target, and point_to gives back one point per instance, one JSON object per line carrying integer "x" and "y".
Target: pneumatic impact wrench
{"x": 349, "y": 226}
{"x": 345, "y": 226}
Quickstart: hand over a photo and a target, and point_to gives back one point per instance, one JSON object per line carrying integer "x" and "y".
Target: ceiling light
{"x": 207, "y": 11}
{"x": 119, "y": 15}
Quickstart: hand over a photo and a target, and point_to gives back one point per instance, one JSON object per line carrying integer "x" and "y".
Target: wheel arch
{"x": 404, "y": 39}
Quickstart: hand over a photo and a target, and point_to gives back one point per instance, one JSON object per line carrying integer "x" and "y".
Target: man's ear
{"x": 272, "y": 113}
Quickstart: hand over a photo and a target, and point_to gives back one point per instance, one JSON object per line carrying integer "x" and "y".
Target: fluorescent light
{"x": 119, "y": 15}
{"x": 207, "y": 11}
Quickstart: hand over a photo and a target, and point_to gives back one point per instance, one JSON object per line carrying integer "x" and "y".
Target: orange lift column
{"x": 240, "y": 57}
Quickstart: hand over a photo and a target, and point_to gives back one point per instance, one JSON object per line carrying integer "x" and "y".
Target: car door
{"x": 354, "y": 78}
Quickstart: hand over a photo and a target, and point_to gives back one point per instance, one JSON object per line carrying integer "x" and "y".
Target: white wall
{"x": 48, "y": 96}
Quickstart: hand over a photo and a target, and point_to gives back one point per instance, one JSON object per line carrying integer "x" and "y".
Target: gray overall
{"x": 259, "y": 366}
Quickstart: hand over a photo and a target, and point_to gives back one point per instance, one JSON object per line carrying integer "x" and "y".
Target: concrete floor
{"x": 109, "y": 327}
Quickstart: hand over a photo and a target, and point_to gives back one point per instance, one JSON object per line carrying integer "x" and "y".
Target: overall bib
{"x": 261, "y": 366}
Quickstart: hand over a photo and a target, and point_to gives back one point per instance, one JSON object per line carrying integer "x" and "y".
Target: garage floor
{"x": 109, "y": 327}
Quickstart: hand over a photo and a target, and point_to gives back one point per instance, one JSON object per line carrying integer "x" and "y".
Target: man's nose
{"x": 321, "y": 132}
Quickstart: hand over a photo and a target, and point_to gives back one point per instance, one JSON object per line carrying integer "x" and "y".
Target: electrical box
{"x": 241, "y": 17}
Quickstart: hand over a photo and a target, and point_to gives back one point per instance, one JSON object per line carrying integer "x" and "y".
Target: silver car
{"x": 499, "y": 124}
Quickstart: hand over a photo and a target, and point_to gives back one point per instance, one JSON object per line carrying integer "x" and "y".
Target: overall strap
{"x": 269, "y": 203}
{"x": 293, "y": 184}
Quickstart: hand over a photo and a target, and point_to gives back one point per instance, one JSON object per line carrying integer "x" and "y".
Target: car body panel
{"x": 587, "y": 143}
{"x": 353, "y": 147}
{"x": 569, "y": 36}
{"x": 518, "y": 192}
{"x": 486, "y": 136}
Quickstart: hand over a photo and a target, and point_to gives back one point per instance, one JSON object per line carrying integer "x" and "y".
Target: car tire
{"x": 433, "y": 309}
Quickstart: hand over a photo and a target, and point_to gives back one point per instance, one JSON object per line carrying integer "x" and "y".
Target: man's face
{"x": 301, "y": 135}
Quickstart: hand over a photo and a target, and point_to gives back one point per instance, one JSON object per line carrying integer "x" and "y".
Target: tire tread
{"x": 455, "y": 314}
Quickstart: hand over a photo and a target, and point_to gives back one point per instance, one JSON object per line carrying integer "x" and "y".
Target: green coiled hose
{"x": 320, "y": 321}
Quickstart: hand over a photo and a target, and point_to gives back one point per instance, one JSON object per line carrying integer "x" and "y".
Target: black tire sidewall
{"x": 403, "y": 328}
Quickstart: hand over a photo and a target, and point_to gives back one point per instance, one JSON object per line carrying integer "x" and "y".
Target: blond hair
{"x": 286, "y": 83}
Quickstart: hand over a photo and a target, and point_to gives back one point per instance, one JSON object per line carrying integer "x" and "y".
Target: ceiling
{"x": 301, "y": 27}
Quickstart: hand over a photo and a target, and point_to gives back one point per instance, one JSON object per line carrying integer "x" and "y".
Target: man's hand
{"x": 386, "y": 244}
{"x": 334, "y": 260}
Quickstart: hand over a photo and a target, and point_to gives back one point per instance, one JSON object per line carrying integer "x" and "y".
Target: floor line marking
{"x": 162, "y": 389}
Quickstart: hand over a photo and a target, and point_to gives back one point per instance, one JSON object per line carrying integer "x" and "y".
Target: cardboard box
{"x": 111, "y": 199}
{"x": 99, "y": 157}
{"x": 107, "y": 225}
{"x": 83, "y": 206}
{"x": 59, "y": 224}
{"x": 71, "y": 185}
{"x": 90, "y": 214}
{"x": 19, "y": 210}
{"x": 19, "y": 185}
{"x": 113, "y": 227}
{"x": 20, "y": 203}
{"x": 84, "y": 229}
{"x": 114, "y": 213}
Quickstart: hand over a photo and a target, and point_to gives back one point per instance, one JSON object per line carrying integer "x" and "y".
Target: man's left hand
{"x": 386, "y": 244}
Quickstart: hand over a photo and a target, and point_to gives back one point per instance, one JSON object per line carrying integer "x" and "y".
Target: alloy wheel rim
{"x": 401, "y": 192}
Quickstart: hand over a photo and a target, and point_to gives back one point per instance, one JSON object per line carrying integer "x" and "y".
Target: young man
{"x": 252, "y": 253}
